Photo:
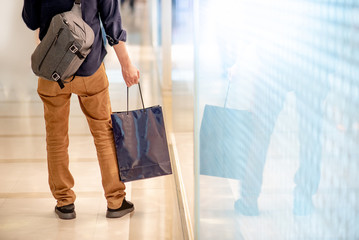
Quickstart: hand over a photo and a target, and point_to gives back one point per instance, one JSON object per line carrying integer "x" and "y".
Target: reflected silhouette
{"x": 296, "y": 74}
{"x": 269, "y": 93}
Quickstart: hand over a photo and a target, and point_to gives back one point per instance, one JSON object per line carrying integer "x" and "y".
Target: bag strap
{"x": 55, "y": 76}
{"x": 228, "y": 87}
{"x": 77, "y": 8}
{"x": 143, "y": 105}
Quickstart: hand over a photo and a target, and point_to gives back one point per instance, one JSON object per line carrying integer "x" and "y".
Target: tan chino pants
{"x": 95, "y": 103}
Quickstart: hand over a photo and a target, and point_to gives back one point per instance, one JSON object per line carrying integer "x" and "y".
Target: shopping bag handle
{"x": 228, "y": 87}
{"x": 143, "y": 105}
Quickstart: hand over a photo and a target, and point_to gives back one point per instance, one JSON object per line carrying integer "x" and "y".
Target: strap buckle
{"x": 55, "y": 76}
{"x": 73, "y": 49}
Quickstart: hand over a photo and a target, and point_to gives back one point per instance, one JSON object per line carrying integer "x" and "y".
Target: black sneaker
{"x": 125, "y": 208}
{"x": 66, "y": 212}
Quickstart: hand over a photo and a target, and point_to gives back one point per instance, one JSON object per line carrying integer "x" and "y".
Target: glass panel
{"x": 182, "y": 102}
{"x": 277, "y": 120}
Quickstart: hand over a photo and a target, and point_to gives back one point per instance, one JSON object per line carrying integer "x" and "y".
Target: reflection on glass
{"x": 278, "y": 94}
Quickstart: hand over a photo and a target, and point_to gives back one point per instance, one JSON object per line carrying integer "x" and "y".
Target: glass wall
{"x": 277, "y": 119}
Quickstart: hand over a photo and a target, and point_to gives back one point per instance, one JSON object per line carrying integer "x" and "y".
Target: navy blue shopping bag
{"x": 141, "y": 143}
{"x": 225, "y": 139}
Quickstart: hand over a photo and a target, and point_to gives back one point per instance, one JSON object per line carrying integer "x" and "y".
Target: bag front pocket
{"x": 51, "y": 45}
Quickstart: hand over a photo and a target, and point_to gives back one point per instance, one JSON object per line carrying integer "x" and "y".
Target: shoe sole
{"x": 65, "y": 216}
{"x": 119, "y": 214}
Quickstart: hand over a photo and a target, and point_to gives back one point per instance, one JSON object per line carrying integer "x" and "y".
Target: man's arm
{"x": 116, "y": 36}
{"x": 31, "y": 13}
{"x": 129, "y": 72}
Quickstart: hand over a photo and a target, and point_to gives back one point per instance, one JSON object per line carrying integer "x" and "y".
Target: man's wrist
{"x": 125, "y": 63}
{"x": 122, "y": 54}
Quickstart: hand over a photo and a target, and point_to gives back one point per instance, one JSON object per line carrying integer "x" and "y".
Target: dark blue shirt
{"x": 38, "y": 14}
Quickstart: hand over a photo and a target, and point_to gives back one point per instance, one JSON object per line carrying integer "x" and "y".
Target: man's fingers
{"x": 134, "y": 79}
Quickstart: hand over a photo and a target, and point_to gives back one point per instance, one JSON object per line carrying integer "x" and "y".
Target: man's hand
{"x": 130, "y": 73}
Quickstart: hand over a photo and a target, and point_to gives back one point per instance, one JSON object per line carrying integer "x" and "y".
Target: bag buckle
{"x": 73, "y": 48}
{"x": 55, "y": 76}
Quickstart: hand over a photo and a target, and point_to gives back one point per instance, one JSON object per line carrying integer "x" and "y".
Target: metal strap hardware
{"x": 73, "y": 48}
{"x": 55, "y": 76}
{"x": 76, "y": 51}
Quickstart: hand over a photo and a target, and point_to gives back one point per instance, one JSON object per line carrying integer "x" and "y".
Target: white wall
{"x": 17, "y": 42}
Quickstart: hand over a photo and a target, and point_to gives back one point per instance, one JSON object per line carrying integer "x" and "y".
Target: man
{"x": 90, "y": 83}
{"x": 271, "y": 85}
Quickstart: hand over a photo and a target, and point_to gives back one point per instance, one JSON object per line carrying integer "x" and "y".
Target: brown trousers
{"x": 95, "y": 103}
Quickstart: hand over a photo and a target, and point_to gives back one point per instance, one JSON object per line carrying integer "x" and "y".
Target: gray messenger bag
{"x": 65, "y": 46}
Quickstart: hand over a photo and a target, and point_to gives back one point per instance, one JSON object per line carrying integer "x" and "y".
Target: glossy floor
{"x": 26, "y": 205}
